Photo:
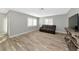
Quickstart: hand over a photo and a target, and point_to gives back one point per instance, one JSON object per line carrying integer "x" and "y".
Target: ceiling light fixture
{"x": 42, "y": 8}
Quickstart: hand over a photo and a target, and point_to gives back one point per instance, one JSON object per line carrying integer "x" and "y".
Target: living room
{"x": 22, "y": 29}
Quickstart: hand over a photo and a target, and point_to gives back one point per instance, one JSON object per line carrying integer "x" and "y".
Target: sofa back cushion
{"x": 49, "y": 26}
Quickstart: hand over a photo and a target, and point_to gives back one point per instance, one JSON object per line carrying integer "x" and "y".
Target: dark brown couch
{"x": 48, "y": 28}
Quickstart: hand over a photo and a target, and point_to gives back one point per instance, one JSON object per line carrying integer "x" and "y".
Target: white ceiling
{"x": 37, "y": 11}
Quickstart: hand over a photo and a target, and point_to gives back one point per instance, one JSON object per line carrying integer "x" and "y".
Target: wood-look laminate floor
{"x": 35, "y": 41}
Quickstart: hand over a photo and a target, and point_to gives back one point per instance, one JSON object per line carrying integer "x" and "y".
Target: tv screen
{"x": 73, "y": 21}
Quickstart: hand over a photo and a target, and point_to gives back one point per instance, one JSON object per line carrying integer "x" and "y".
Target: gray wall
{"x": 17, "y": 23}
{"x": 61, "y": 22}
{"x": 2, "y": 17}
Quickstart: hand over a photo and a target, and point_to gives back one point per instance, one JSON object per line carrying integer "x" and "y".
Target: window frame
{"x": 32, "y": 22}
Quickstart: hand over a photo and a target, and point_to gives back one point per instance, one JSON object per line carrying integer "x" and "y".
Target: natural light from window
{"x": 32, "y": 22}
{"x": 5, "y": 25}
{"x": 48, "y": 21}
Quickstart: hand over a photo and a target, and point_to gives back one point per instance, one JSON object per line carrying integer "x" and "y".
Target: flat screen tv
{"x": 74, "y": 22}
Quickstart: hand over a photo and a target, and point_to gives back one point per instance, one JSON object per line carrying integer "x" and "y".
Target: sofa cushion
{"x": 48, "y": 28}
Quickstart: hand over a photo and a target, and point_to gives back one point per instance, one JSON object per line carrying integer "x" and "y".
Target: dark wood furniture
{"x": 48, "y": 28}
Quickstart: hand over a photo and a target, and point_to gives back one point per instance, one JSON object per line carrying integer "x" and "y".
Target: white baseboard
{"x": 20, "y": 34}
{"x": 61, "y": 32}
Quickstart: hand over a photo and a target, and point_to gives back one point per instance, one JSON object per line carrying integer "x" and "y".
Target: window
{"x": 5, "y": 24}
{"x": 29, "y": 22}
{"x": 32, "y": 22}
{"x": 48, "y": 21}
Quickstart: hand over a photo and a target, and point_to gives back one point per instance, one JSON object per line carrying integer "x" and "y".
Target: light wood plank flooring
{"x": 35, "y": 41}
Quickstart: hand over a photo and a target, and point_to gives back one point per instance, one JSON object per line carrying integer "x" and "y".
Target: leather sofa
{"x": 48, "y": 28}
